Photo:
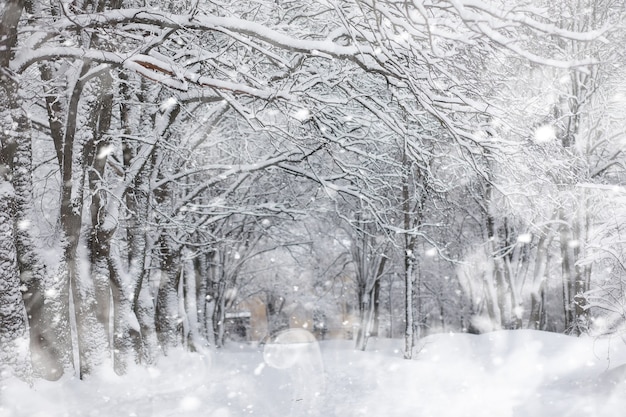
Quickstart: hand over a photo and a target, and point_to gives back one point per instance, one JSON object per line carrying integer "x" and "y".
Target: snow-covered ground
{"x": 508, "y": 373}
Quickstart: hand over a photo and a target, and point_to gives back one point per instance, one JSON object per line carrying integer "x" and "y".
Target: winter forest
{"x": 180, "y": 175}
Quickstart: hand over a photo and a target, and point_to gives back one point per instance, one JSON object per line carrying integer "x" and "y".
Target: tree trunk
{"x": 581, "y": 273}
{"x": 91, "y": 334}
{"x": 366, "y": 312}
{"x": 193, "y": 338}
{"x": 376, "y": 320}
{"x": 126, "y": 329}
{"x": 515, "y": 303}
{"x": 411, "y": 218}
{"x": 14, "y": 357}
{"x": 102, "y": 226}
{"x": 166, "y": 313}
{"x": 137, "y": 196}
{"x": 537, "y": 294}
{"x": 143, "y": 307}
{"x": 420, "y": 320}
{"x": 408, "y": 317}
{"x": 22, "y": 274}
{"x": 219, "y": 314}
{"x": 200, "y": 270}
{"x": 50, "y": 340}
{"x": 568, "y": 277}
{"x": 370, "y": 321}
{"x": 145, "y": 312}
{"x": 499, "y": 315}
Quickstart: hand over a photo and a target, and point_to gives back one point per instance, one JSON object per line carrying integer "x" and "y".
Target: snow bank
{"x": 520, "y": 373}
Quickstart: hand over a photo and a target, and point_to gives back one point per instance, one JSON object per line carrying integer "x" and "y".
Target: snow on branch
{"x": 204, "y": 22}
{"x": 159, "y": 70}
{"x": 232, "y": 171}
{"x": 489, "y": 21}
{"x": 228, "y": 25}
{"x": 479, "y": 17}
{"x": 519, "y": 18}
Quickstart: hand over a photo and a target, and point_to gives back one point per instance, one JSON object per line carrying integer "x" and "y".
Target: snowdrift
{"x": 508, "y": 373}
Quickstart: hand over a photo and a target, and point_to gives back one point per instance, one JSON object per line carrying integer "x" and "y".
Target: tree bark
{"x": 409, "y": 281}
{"x": 368, "y": 297}
{"x": 409, "y": 266}
{"x": 50, "y": 339}
{"x": 537, "y": 318}
{"x": 14, "y": 338}
{"x": 166, "y": 313}
{"x": 568, "y": 276}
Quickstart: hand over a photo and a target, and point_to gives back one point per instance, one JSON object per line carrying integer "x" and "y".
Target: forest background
{"x": 420, "y": 166}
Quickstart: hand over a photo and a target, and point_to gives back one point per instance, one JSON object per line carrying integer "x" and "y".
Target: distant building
{"x": 237, "y": 325}
{"x": 248, "y": 322}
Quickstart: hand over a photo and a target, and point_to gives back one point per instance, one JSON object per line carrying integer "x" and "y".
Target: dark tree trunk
{"x": 50, "y": 339}
{"x": 14, "y": 132}
{"x": 13, "y": 325}
{"x": 376, "y": 320}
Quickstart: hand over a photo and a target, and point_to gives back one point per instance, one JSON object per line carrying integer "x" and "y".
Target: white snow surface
{"x": 508, "y": 373}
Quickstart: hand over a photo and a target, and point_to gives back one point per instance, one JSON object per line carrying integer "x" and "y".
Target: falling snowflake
{"x": 105, "y": 151}
{"x": 302, "y": 115}
{"x": 168, "y": 104}
{"x": 545, "y": 134}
